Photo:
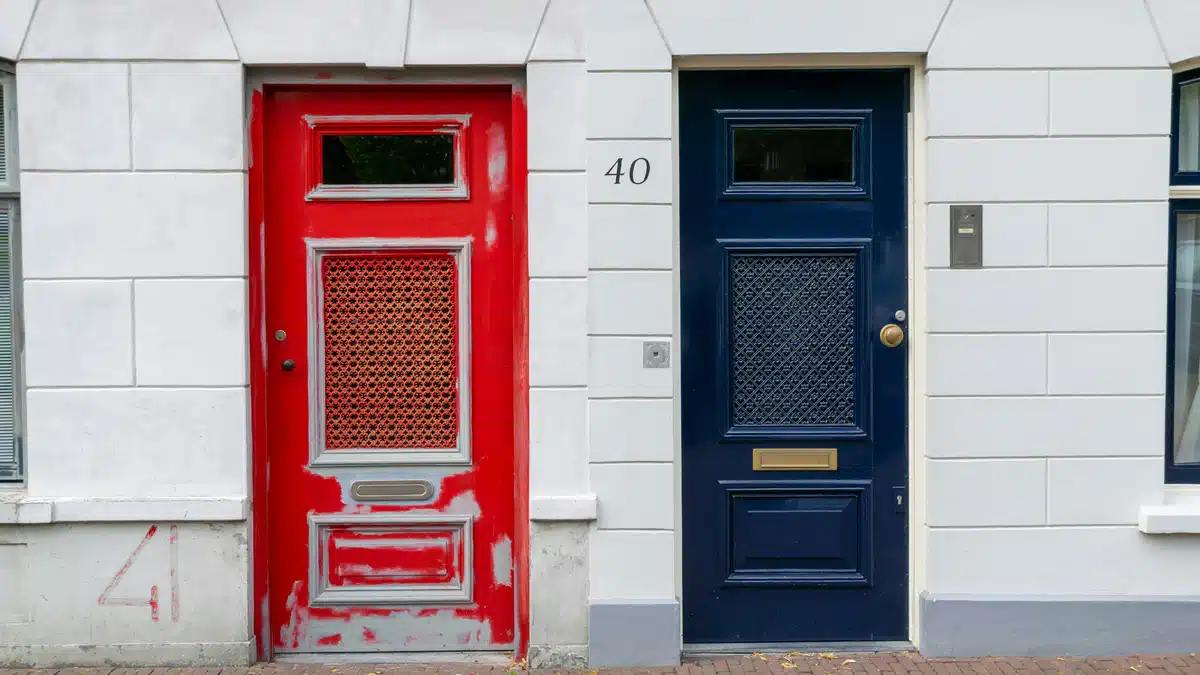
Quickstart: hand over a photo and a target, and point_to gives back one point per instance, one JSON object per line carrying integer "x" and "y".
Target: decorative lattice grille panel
{"x": 391, "y": 350}
{"x": 793, "y": 334}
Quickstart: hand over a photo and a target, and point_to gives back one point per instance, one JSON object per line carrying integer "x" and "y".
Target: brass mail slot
{"x": 391, "y": 490}
{"x": 795, "y": 459}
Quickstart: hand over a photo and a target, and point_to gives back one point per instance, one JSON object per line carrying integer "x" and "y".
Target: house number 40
{"x": 639, "y": 171}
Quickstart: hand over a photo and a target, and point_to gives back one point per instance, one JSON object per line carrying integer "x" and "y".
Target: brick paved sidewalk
{"x": 900, "y": 663}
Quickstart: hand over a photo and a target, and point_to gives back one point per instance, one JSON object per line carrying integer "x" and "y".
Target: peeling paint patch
{"x": 368, "y": 636}
{"x": 335, "y": 639}
{"x": 490, "y": 234}
{"x": 497, "y": 153}
{"x": 502, "y": 562}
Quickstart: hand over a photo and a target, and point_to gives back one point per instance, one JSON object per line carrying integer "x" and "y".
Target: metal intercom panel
{"x": 966, "y": 235}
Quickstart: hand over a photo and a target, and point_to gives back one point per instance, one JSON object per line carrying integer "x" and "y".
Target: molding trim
{"x": 129, "y": 655}
{"x": 1057, "y": 625}
{"x": 21, "y": 509}
{"x": 566, "y": 507}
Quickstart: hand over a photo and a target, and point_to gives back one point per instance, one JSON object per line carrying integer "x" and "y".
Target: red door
{"x": 388, "y": 270}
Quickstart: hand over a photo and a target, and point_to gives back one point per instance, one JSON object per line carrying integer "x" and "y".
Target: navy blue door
{"x": 794, "y": 288}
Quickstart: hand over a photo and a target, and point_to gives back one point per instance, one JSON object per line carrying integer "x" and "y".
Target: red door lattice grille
{"x": 391, "y": 350}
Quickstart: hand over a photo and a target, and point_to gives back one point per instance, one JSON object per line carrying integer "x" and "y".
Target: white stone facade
{"x": 1037, "y": 384}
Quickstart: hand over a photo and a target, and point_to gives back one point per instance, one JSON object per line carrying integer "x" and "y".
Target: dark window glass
{"x": 793, "y": 155}
{"x": 1187, "y": 338}
{"x": 404, "y": 159}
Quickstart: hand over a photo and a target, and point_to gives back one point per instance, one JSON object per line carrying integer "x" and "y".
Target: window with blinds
{"x": 10, "y": 420}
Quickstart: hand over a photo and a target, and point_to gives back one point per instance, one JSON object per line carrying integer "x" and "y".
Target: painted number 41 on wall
{"x": 109, "y": 597}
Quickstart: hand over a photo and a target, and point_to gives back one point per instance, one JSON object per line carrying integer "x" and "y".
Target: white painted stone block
{"x": 561, "y": 568}
{"x": 635, "y": 496}
{"x": 386, "y": 23}
{"x": 558, "y": 347}
{"x": 612, "y": 228}
{"x": 558, "y": 225}
{"x": 1109, "y": 234}
{"x": 785, "y": 27}
{"x": 644, "y": 175}
{"x": 188, "y": 116}
{"x": 630, "y": 105}
{"x": 558, "y": 442}
{"x": 632, "y": 431}
{"x": 472, "y": 32}
{"x": 556, "y": 101}
{"x": 615, "y": 369}
{"x": 138, "y": 442}
{"x": 66, "y": 567}
{"x": 190, "y": 332}
{"x": 129, "y": 29}
{"x": 988, "y": 103}
{"x": 73, "y": 115}
{"x": 1014, "y": 235}
{"x": 281, "y": 32}
{"x": 1060, "y": 561}
{"x": 133, "y": 224}
{"x": 1047, "y": 169}
{"x": 1050, "y": 300}
{"x": 1176, "y": 20}
{"x": 16, "y": 15}
{"x": 1044, "y": 427}
{"x": 1110, "y": 491}
{"x": 631, "y": 303}
{"x": 1110, "y": 102}
{"x": 986, "y": 364}
{"x": 1134, "y": 363}
{"x": 1033, "y": 34}
{"x": 78, "y": 333}
{"x": 632, "y": 565}
{"x": 561, "y": 36}
{"x": 621, "y": 35}
{"x": 985, "y": 493}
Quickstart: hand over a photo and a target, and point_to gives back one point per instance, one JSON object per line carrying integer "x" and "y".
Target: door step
{"x": 335, "y": 658}
{"x": 807, "y": 648}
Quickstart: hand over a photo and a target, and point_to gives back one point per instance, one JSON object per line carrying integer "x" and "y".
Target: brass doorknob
{"x": 891, "y": 335}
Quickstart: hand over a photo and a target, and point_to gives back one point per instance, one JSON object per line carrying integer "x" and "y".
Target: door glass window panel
{"x": 395, "y": 159}
{"x": 1187, "y": 339}
{"x": 800, "y": 154}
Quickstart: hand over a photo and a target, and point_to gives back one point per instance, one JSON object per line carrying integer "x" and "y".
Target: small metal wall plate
{"x": 656, "y": 354}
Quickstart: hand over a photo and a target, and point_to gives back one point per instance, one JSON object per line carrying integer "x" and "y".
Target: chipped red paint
{"x": 496, "y": 483}
{"x": 520, "y": 357}
{"x": 335, "y": 639}
{"x": 260, "y": 542}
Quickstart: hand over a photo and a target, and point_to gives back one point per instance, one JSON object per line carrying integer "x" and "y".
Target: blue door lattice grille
{"x": 793, "y": 339}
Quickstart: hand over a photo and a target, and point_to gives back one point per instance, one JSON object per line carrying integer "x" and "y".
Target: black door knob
{"x": 289, "y": 364}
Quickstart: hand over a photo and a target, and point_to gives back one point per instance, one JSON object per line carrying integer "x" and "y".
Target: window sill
{"x": 1178, "y": 514}
{"x": 570, "y": 507}
{"x": 18, "y": 508}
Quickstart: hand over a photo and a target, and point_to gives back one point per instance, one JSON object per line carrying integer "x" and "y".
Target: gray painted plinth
{"x": 975, "y": 625}
{"x": 633, "y": 633}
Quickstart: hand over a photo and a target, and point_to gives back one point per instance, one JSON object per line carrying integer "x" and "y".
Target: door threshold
{"x": 337, "y": 658}
{"x": 784, "y": 648}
